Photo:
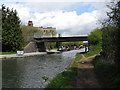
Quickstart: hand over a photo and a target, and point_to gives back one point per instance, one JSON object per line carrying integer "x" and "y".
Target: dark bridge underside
{"x": 61, "y": 39}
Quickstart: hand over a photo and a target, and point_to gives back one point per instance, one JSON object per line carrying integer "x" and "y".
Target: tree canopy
{"x": 95, "y": 37}
{"x": 11, "y": 32}
{"x": 111, "y": 34}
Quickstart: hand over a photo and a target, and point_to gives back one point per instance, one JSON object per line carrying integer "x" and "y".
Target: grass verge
{"x": 94, "y": 50}
{"x": 66, "y": 79}
{"x": 7, "y": 53}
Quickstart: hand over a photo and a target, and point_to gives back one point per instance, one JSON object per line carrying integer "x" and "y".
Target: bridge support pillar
{"x": 57, "y": 44}
{"x": 41, "y": 46}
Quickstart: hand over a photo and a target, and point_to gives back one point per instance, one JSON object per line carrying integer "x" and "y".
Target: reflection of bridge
{"x": 41, "y": 46}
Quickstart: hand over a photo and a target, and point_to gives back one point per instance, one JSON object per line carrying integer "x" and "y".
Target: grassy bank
{"x": 7, "y": 53}
{"x": 66, "y": 79}
{"x": 107, "y": 74}
{"x": 94, "y": 49}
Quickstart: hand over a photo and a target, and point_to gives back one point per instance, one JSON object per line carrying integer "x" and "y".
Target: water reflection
{"x": 27, "y": 72}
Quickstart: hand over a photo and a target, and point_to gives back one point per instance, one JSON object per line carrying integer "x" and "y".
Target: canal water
{"x": 28, "y": 72}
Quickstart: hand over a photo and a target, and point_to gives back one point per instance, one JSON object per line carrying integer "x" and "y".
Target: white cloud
{"x": 68, "y": 22}
{"x": 53, "y": 14}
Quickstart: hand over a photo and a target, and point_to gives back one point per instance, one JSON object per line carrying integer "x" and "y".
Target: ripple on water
{"x": 27, "y": 72}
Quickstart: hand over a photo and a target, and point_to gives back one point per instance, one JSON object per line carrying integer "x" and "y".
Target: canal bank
{"x": 80, "y": 74}
{"x": 67, "y": 78}
{"x": 28, "y": 54}
{"x": 24, "y": 55}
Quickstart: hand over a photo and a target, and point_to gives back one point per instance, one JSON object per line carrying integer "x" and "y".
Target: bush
{"x": 107, "y": 73}
{"x": 95, "y": 37}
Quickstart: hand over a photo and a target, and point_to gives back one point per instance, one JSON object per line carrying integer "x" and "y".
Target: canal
{"x": 28, "y": 72}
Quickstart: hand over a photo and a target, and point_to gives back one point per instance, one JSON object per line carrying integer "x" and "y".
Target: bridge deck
{"x": 62, "y": 39}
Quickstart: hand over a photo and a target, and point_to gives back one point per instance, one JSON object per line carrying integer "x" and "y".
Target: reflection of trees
{"x": 10, "y": 74}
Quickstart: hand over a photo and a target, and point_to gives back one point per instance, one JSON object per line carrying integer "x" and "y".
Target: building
{"x": 48, "y": 31}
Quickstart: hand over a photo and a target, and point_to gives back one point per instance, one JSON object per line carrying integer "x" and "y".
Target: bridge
{"x": 41, "y": 46}
{"x": 61, "y": 39}
{"x": 38, "y": 43}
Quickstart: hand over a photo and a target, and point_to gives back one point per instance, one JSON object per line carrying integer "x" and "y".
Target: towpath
{"x": 86, "y": 77}
{"x": 24, "y": 55}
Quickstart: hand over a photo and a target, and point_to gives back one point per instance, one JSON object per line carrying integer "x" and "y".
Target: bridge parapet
{"x": 62, "y": 39}
{"x": 40, "y": 41}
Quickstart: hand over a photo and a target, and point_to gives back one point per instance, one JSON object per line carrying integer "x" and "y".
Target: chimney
{"x": 30, "y": 23}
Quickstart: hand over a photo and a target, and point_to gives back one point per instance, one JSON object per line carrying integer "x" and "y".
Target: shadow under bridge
{"x": 41, "y": 45}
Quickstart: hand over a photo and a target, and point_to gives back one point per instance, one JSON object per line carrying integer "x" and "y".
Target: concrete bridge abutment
{"x": 41, "y": 46}
{"x": 35, "y": 47}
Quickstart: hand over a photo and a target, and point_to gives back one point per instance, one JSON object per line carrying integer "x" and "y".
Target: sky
{"x": 73, "y": 17}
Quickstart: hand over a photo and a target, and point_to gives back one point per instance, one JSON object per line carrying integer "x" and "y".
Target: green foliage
{"x": 114, "y": 16}
{"x": 28, "y": 33}
{"x": 65, "y": 79}
{"x": 107, "y": 74}
{"x": 95, "y": 49}
{"x": 7, "y": 53}
{"x": 72, "y": 43}
{"x": 95, "y": 37}
{"x": 111, "y": 44}
{"x": 107, "y": 66}
{"x": 11, "y": 32}
{"x": 50, "y": 45}
{"x": 28, "y": 30}
{"x": 78, "y": 57}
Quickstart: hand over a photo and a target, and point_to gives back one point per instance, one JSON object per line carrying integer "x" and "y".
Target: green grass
{"x": 53, "y": 49}
{"x": 95, "y": 50}
{"x": 7, "y": 53}
{"x": 66, "y": 79}
{"x": 78, "y": 57}
{"x": 107, "y": 74}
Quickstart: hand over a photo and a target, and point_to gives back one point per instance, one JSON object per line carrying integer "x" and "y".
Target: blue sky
{"x": 79, "y": 7}
{"x": 67, "y": 17}
{"x": 82, "y": 7}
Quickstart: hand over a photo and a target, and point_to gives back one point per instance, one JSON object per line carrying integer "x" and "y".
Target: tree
{"x": 95, "y": 37}
{"x": 114, "y": 19}
{"x": 11, "y": 32}
{"x": 109, "y": 43}
{"x": 112, "y": 34}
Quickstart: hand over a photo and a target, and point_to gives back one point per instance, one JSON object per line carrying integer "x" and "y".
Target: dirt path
{"x": 86, "y": 77}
